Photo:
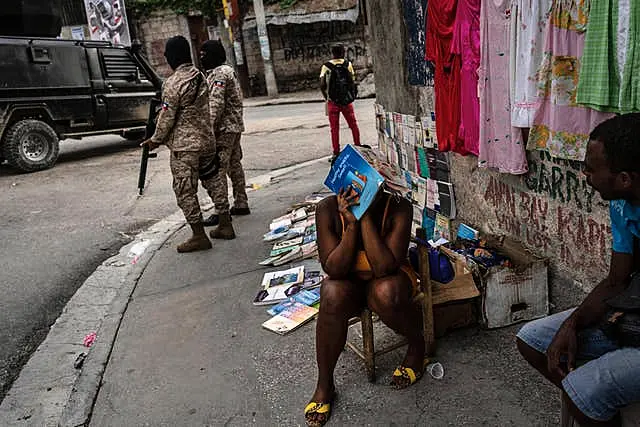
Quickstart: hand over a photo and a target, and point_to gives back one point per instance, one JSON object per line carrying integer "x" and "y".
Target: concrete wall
{"x": 298, "y": 51}
{"x": 551, "y": 210}
{"x": 154, "y": 31}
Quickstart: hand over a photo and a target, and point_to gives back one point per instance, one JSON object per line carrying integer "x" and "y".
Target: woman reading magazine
{"x": 366, "y": 262}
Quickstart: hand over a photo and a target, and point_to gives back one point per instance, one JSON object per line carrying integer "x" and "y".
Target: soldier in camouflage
{"x": 184, "y": 126}
{"x": 225, "y": 101}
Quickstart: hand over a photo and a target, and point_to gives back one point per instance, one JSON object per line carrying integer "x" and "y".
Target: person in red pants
{"x": 337, "y": 83}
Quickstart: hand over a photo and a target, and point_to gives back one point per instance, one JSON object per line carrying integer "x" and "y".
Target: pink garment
{"x": 560, "y": 125}
{"x": 501, "y": 146}
{"x": 466, "y": 44}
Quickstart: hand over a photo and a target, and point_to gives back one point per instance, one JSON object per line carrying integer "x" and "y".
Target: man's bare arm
{"x": 591, "y": 311}
{"x": 323, "y": 87}
{"x": 594, "y": 307}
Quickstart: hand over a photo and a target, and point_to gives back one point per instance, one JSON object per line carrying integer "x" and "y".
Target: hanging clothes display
{"x": 528, "y": 21}
{"x": 466, "y": 45}
{"x": 440, "y": 19}
{"x": 501, "y": 146}
{"x": 560, "y": 125}
{"x": 611, "y": 54}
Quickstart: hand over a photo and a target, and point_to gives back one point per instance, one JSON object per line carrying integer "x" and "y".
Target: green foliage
{"x": 209, "y": 8}
{"x": 284, "y": 4}
{"x": 142, "y": 8}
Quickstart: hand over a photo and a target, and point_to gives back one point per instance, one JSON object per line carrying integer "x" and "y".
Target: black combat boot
{"x": 240, "y": 211}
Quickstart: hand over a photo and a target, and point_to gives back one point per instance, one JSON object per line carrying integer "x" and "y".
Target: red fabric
{"x": 441, "y": 16}
{"x": 334, "y": 122}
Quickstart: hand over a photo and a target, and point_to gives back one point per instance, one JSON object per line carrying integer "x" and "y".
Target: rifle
{"x": 154, "y": 108}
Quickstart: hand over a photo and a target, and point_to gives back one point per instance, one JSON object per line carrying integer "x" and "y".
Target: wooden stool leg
{"x": 367, "y": 344}
{"x": 427, "y": 303}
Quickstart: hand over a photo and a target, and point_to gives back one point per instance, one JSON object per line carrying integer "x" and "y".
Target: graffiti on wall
{"x": 318, "y": 33}
{"x": 322, "y": 52}
{"x": 560, "y": 180}
{"x": 575, "y": 238}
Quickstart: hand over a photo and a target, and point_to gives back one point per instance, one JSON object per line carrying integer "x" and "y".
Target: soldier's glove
{"x": 150, "y": 144}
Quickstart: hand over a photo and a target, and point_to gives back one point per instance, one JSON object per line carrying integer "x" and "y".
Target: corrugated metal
{"x": 72, "y": 12}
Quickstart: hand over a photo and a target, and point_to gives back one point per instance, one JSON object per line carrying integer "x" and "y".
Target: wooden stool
{"x": 424, "y": 298}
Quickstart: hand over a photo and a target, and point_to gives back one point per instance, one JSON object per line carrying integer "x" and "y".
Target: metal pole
{"x": 265, "y": 49}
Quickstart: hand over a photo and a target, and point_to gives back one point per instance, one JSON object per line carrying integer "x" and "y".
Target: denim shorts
{"x": 610, "y": 378}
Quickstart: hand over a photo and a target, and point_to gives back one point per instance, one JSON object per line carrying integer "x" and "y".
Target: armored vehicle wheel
{"x": 31, "y": 145}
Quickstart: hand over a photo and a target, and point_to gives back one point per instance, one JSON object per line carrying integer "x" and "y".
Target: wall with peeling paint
{"x": 551, "y": 210}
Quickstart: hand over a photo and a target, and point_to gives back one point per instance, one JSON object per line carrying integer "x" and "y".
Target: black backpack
{"x": 342, "y": 88}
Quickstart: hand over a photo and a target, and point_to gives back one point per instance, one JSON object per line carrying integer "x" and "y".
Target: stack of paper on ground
{"x": 294, "y": 234}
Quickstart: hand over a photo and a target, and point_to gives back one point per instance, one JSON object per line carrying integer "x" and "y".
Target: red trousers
{"x": 334, "y": 122}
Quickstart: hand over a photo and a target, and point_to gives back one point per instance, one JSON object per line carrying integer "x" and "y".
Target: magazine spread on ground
{"x": 306, "y": 297}
{"x": 277, "y": 285}
{"x": 291, "y": 318}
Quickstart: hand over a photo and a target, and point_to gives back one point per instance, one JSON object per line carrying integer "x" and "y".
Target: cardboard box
{"x": 454, "y": 315}
{"x": 514, "y": 294}
{"x": 454, "y": 303}
{"x": 462, "y": 287}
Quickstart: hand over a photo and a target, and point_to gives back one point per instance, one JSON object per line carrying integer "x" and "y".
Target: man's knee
{"x": 335, "y": 297}
{"x": 389, "y": 294}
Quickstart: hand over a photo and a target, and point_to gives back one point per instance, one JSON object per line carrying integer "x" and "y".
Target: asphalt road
{"x": 58, "y": 225}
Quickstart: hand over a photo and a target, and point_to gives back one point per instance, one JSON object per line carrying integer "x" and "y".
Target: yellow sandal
{"x": 314, "y": 408}
{"x": 407, "y": 374}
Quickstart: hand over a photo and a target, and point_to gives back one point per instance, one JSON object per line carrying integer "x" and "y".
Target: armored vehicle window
{"x": 119, "y": 65}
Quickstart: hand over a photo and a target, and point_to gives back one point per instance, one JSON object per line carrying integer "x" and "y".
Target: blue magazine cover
{"x": 306, "y": 297}
{"x": 352, "y": 170}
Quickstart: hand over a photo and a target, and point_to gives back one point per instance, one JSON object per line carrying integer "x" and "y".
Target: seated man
{"x": 366, "y": 262}
{"x": 609, "y": 380}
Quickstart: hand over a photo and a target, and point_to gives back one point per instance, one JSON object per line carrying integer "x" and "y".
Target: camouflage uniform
{"x": 225, "y": 102}
{"x": 184, "y": 126}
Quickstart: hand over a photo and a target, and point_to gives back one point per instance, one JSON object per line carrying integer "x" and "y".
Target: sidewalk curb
{"x": 275, "y": 101}
{"x": 285, "y": 101}
{"x": 49, "y": 390}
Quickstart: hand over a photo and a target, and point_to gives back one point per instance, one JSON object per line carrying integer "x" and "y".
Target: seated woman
{"x": 366, "y": 262}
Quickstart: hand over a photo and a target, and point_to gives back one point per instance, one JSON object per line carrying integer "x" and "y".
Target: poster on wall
{"x": 108, "y": 21}
{"x": 77, "y": 33}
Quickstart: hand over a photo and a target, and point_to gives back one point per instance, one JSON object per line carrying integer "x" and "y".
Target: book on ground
{"x": 290, "y": 318}
{"x": 304, "y": 296}
{"x": 292, "y": 276}
{"x": 294, "y": 254}
{"x": 288, "y": 243}
{"x": 277, "y": 286}
{"x": 312, "y": 279}
{"x": 276, "y": 234}
{"x": 283, "y": 221}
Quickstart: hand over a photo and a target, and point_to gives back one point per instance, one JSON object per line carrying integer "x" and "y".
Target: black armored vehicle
{"x": 54, "y": 89}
